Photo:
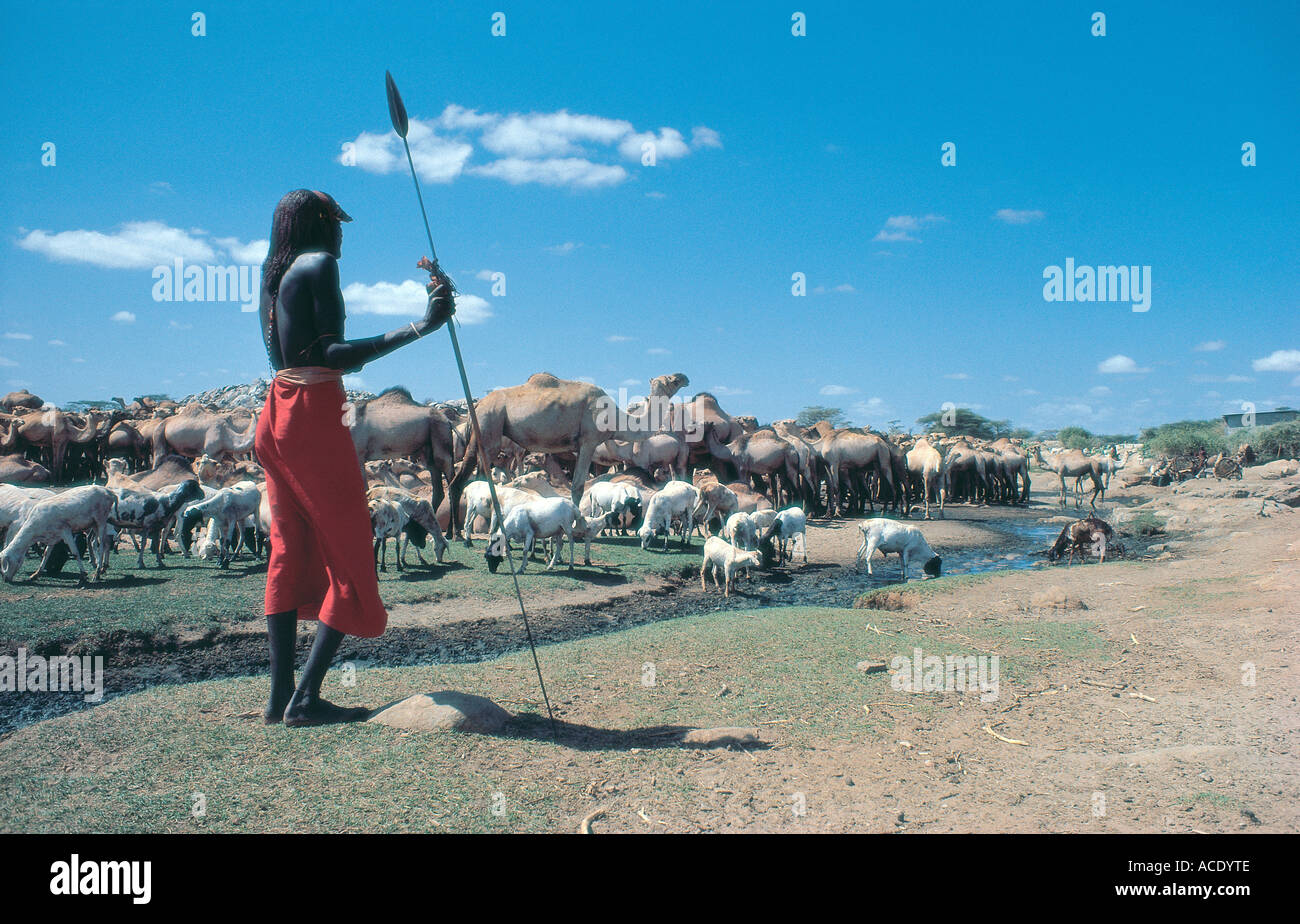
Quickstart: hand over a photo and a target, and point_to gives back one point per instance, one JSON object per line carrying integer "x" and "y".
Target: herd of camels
{"x": 569, "y": 429}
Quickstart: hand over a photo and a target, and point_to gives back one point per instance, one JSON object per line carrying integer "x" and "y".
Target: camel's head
{"x": 495, "y": 553}
{"x": 933, "y": 567}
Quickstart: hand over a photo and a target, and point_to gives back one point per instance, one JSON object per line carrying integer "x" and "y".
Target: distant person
{"x": 321, "y": 564}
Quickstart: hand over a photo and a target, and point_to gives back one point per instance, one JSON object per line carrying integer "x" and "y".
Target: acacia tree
{"x": 965, "y": 422}
{"x": 815, "y": 413}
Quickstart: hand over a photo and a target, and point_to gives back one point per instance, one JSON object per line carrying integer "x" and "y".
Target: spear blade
{"x": 396, "y": 110}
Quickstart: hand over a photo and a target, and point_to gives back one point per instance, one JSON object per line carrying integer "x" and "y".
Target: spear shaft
{"x": 397, "y": 111}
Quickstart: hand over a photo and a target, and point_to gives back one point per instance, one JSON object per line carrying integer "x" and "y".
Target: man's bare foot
{"x": 275, "y": 707}
{"x": 305, "y": 709}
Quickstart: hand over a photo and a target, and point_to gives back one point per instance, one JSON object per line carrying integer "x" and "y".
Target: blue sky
{"x": 776, "y": 155}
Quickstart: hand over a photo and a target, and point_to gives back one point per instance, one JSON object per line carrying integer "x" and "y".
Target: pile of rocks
{"x": 251, "y": 395}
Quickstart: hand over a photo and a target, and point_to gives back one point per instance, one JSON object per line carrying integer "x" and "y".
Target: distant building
{"x": 1262, "y": 418}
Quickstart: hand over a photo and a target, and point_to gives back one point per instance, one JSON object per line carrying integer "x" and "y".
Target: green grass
{"x": 1145, "y": 524}
{"x": 135, "y": 763}
{"x": 191, "y": 597}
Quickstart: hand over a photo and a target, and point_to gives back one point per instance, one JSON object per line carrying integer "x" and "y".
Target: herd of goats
{"x": 566, "y": 464}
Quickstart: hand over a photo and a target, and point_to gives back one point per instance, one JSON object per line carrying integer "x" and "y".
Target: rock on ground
{"x": 447, "y": 710}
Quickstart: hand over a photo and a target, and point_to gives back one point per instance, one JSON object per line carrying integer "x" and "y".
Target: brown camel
{"x": 1074, "y": 464}
{"x": 547, "y": 414}
{"x": 54, "y": 429}
{"x": 850, "y": 454}
{"x": 763, "y": 454}
{"x": 21, "y": 400}
{"x": 195, "y": 432}
{"x": 924, "y": 464}
{"x": 393, "y": 425}
{"x": 18, "y": 469}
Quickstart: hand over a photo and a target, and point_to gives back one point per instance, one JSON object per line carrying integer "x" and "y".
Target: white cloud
{"x": 1221, "y": 378}
{"x": 1209, "y": 346}
{"x": 871, "y": 407}
{"x": 1018, "y": 216}
{"x": 577, "y": 172}
{"x": 484, "y": 274}
{"x": 410, "y": 299}
{"x": 135, "y": 245}
{"x": 960, "y": 376}
{"x": 354, "y": 382}
{"x": 16, "y": 335}
{"x": 177, "y": 325}
{"x": 436, "y": 159}
{"x": 562, "y": 250}
{"x": 548, "y": 148}
{"x": 1119, "y": 363}
{"x": 1099, "y": 391}
{"x": 6, "y": 362}
{"x": 547, "y": 134}
{"x": 899, "y": 227}
{"x": 837, "y": 390}
{"x": 725, "y": 391}
{"x": 618, "y": 338}
{"x": 657, "y": 351}
{"x": 253, "y": 252}
{"x": 668, "y": 144}
{"x": 1278, "y": 361}
{"x": 124, "y": 317}
{"x": 704, "y": 137}
{"x": 57, "y": 343}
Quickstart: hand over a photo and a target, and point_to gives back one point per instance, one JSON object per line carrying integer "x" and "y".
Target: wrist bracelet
{"x": 418, "y": 335}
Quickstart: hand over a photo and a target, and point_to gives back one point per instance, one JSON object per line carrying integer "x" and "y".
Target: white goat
{"x": 58, "y": 519}
{"x": 226, "y": 511}
{"x": 721, "y": 555}
{"x": 740, "y": 531}
{"x": 387, "y": 520}
{"x": 478, "y": 503}
{"x": 792, "y": 522}
{"x": 16, "y": 503}
{"x": 676, "y": 500}
{"x": 892, "y": 536}
{"x": 554, "y": 518}
{"x": 421, "y": 521}
{"x": 613, "y": 497}
{"x": 145, "y": 514}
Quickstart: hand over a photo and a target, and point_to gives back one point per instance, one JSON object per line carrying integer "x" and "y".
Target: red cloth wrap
{"x": 322, "y": 557}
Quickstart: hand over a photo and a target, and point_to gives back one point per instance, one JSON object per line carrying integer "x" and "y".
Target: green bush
{"x": 1076, "y": 438}
{"x": 1185, "y": 437}
{"x": 1146, "y": 524}
{"x": 1279, "y": 441}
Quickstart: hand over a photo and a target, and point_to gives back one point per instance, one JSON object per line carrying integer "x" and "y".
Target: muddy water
{"x": 815, "y": 584}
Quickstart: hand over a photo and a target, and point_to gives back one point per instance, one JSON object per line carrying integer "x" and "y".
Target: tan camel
{"x": 393, "y": 426}
{"x": 1074, "y": 464}
{"x": 964, "y": 465}
{"x": 657, "y": 451}
{"x": 55, "y": 429}
{"x": 924, "y": 464}
{"x": 547, "y": 414}
{"x": 1016, "y": 465}
{"x": 808, "y": 459}
{"x": 849, "y": 453}
{"x": 765, "y": 454}
{"x": 195, "y": 432}
{"x": 21, "y": 400}
{"x": 18, "y": 469}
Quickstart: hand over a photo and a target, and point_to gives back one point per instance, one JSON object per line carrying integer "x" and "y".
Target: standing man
{"x": 321, "y": 564}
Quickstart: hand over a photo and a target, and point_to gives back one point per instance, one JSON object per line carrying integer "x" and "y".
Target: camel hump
{"x": 395, "y": 392}
{"x": 543, "y": 380}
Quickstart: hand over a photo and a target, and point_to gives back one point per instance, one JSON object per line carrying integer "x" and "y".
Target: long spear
{"x": 397, "y": 112}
